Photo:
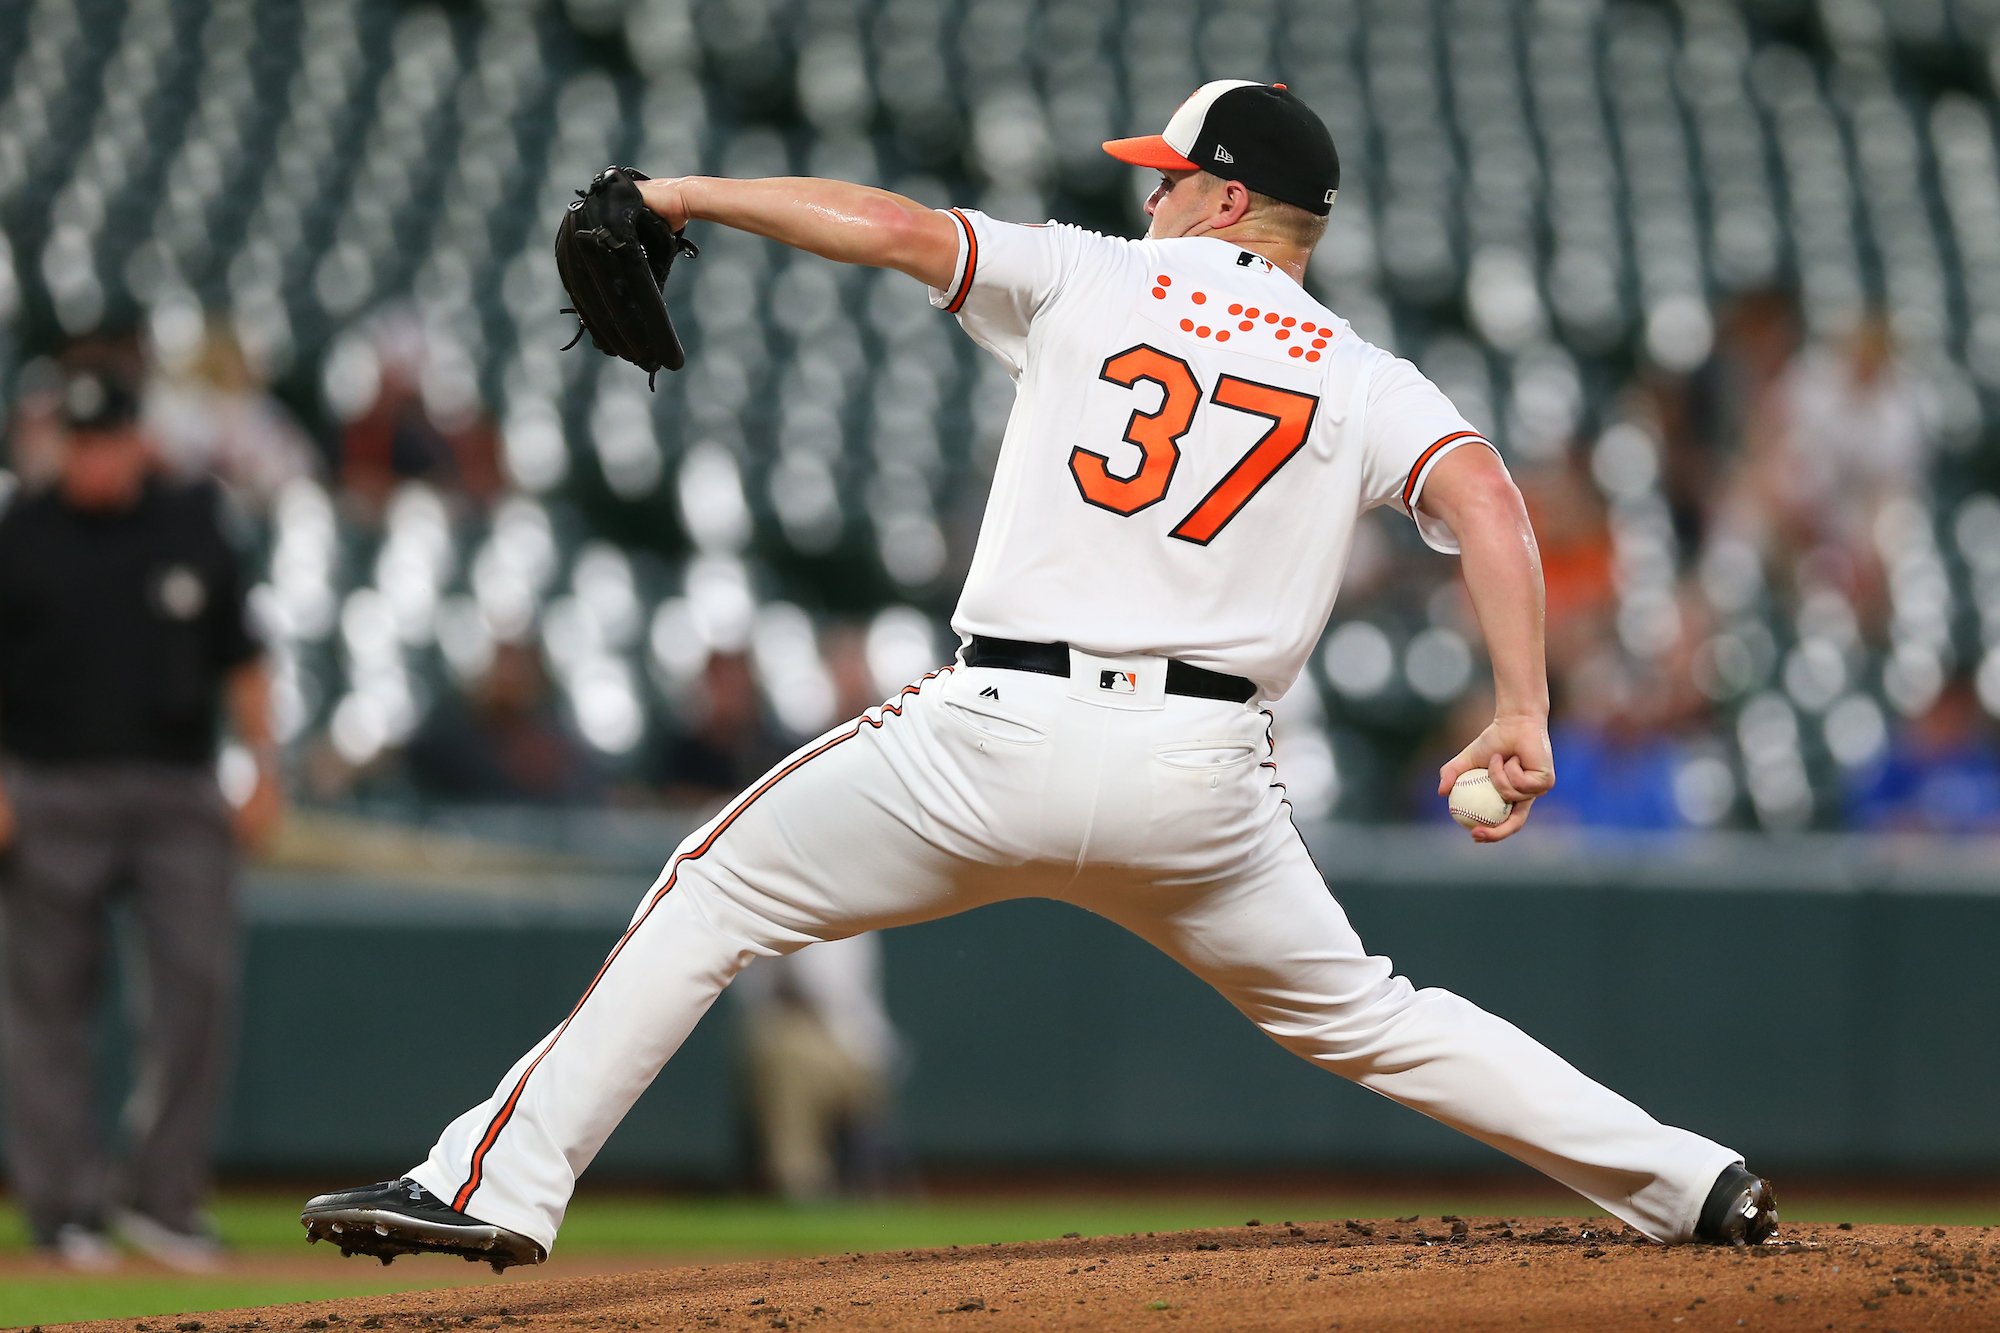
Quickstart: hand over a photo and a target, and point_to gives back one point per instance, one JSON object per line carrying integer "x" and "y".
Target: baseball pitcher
{"x": 1192, "y": 442}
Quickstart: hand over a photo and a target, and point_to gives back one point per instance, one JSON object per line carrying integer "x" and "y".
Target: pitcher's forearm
{"x": 850, "y": 224}
{"x": 1471, "y": 491}
{"x": 1503, "y": 574}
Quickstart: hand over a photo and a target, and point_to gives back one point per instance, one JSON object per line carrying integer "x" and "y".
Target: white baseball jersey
{"x": 1192, "y": 443}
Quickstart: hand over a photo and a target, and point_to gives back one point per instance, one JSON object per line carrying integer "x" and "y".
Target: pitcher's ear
{"x": 1235, "y": 202}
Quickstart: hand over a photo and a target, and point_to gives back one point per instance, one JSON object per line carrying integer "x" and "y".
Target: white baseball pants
{"x": 1159, "y": 812}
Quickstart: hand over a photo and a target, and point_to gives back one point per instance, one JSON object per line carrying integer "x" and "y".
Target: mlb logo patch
{"x": 1118, "y": 682}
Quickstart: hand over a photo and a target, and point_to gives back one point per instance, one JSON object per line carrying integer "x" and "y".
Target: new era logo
{"x": 1118, "y": 682}
{"x": 1222, "y": 154}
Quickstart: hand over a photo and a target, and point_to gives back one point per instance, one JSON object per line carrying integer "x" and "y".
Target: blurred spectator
{"x": 123, "y": 628}
{"x": 504, "y": 743}
{"x": 1712, "y": 417}
{"x": 1615, "y": 759}
{"x": 415, "y": 420}
{"x": 1574, "y": 535}
{"x": 1940, "y": 773}
{"x": 724, "y": 742}
{"x": 844, "y": 647}
{"x": 820, "y": 1058}
{"x": 213, "y": 416}
{"x": 1851, "y": 439}
{"x": 35, "y": 435}
{"x": 1622, "y": 731}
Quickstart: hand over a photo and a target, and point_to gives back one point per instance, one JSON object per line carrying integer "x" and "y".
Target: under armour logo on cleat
{"x": 990, "y": 692}
{"x": 1222, "y": 154}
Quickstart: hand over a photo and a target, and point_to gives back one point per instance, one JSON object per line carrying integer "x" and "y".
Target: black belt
{"x": 1052, "y": 659}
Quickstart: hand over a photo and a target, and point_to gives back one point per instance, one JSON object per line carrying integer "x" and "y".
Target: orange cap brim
{"x": 1148, "y": 150}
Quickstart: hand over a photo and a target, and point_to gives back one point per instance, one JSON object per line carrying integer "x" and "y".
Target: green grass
{"x": 266, "y": 1224}
{"x": 56, "y": 1300}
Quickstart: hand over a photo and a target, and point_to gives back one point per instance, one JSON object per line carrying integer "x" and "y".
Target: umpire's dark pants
{"x": 86, "y": 835}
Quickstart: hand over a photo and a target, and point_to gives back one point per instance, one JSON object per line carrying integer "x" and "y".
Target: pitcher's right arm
{"x": 1471, "y": 491}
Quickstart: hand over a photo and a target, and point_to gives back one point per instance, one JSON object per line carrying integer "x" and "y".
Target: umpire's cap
{"x": 97, "y": 397}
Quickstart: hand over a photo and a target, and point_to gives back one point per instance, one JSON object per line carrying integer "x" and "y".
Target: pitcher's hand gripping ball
{"x": 614, "y": 254}
{"x": 1474, "y": 803}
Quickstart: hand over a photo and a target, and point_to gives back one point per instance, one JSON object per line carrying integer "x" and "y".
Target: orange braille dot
{"x": 1298, "y": 351}
{"x": 1289, "y": 321}
{"x": 1222, "y": 335}
{"x": 1202, "y": 332}
{"x": 1319, "y": 342}
{"x": 1159, "y": 293}
{"x": 1251, "y": 311}
{"x": 1199, "y": 298}
{"x": 1164, "y": 280}
{"x": 1308, "y": 328}
{"x": 1284, "y": 334}
{"x": 1247, "y": 325}
{"x": 1271, "y": 317}
{"x": 1235, "y": 307}
{"x": 1187, "y": 326}
{"x": 1310, "y": 356}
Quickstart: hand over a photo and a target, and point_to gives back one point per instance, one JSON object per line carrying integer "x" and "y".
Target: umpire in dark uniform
{"x": 123, "y": 635}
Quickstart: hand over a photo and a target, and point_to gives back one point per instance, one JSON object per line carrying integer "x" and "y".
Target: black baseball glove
{"x": 614, "y": 254}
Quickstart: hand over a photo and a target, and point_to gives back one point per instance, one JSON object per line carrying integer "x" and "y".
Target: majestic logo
{"x": 1118, "y": 682}
{"x": 990, "y": 692}
{"x": 1222, "y": 154}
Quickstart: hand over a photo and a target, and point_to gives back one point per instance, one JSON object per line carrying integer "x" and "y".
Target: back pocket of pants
{"x": 993, "y": 726}
{"x": 1208, "y": 758}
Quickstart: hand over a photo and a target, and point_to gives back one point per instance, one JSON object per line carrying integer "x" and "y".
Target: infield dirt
{"x": 1408, "y": 1273}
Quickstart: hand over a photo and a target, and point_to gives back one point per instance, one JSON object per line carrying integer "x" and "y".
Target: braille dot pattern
{"x": 1246, "y": 319}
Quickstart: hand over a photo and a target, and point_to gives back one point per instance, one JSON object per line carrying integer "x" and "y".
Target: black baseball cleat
{"x": 1740, "y": 1210}
{"x": 402, "y": 1217}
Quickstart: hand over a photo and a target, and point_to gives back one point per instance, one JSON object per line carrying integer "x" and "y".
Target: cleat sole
{"x": 387, "y": 1235}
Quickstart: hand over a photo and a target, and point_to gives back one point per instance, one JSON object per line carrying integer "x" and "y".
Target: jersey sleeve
{"x": 1006, "y": 274}
{"x": 1409, "y": 428}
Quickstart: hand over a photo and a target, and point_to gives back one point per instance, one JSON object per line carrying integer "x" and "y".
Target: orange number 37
{"x": 1158, "y": 436}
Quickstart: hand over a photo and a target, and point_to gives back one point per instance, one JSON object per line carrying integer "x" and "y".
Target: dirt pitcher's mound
{"x": 1412, "y": 1273}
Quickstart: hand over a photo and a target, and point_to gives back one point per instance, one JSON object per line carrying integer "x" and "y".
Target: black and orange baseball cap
{"x": 1256, "y": 133}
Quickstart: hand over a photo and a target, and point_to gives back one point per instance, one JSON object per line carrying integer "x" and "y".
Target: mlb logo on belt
{"x": 1118, "y": 682}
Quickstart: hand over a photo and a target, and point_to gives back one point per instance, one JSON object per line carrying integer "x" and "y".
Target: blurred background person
{"x": 504, "y": 744}
{"x": 721, "y": 740}
{"x": 124, "y": 632}
{"x": 1940, "y": 772}
{"x": 1729, "y": 407}
{"x": 821, "y": 1059}
{"x": 1580, "y": 593}
{"x": 413, "y": 419}
{"x": 212, "y": 416}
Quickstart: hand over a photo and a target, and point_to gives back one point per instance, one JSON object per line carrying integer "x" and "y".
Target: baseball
{"x": 1474, "y": 803}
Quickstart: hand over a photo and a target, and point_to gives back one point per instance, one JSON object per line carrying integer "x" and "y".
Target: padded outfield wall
{"x": 1823, "y": 1005}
